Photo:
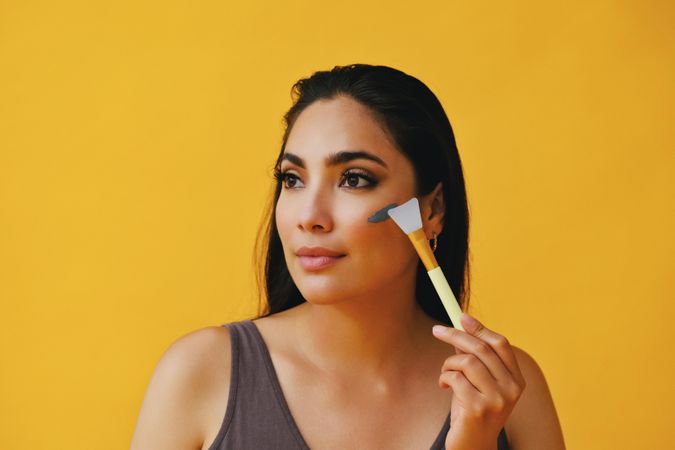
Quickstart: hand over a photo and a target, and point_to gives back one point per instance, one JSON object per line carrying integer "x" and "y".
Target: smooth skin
{"x": 358, "y": 363}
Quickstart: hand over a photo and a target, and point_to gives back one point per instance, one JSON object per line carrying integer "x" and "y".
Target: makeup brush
{"x": 409, "y": 219}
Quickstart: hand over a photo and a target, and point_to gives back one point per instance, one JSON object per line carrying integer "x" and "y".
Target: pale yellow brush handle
{"x": 447, "y": 297}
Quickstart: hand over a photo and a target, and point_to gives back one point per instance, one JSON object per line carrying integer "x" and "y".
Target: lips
{"x": 316, "y": 258}
{"x": 317, "y": 251}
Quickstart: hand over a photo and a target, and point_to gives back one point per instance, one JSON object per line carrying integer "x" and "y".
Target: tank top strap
{"x": 255, "y": 417}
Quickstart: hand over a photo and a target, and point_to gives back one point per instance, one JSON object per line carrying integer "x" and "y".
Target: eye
{"x": 288, "y": 179}
{"x": 352, "y": 177}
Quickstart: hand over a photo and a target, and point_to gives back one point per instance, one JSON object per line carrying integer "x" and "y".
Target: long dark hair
{"x": 412, "y": 115}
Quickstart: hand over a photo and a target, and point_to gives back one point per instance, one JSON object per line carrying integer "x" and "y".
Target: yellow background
{"x": 136, "y": 142}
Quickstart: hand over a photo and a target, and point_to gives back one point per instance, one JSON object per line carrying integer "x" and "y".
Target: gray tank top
{"x": 257, "y": 415}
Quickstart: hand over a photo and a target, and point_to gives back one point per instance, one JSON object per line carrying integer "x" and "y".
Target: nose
{"x": 315, "y": 212}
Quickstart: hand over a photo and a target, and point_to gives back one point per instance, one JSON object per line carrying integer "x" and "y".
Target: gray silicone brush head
{"x": 407, "y": 216}
{"x": 381, "y": 215}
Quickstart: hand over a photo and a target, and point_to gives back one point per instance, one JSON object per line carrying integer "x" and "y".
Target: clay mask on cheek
{"x": 381, "y": 214}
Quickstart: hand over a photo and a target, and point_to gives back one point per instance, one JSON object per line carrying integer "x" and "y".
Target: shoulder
{"x": 529, "y": 367}
{"x": 197, "y": 350}
{"x": 195, "y": 360}
{"x": 533, "y": 423}
{"x": 189, "y": 382}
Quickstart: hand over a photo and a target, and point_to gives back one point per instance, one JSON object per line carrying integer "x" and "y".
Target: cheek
{"x": 382, "y": 246}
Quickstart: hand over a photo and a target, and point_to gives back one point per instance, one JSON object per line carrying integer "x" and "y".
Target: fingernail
{"x": 439, "y": 330}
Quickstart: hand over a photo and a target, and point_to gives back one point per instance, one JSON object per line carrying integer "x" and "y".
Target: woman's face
{"x": 326, "y": 202}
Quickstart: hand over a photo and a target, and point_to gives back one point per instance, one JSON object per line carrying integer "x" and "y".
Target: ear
{"x": 432, "y": 207}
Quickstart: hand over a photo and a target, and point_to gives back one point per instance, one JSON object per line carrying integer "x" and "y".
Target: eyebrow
{"x": 335, "y": 159}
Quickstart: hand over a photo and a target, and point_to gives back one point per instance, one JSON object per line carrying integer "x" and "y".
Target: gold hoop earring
{"x": 434, "y": 243}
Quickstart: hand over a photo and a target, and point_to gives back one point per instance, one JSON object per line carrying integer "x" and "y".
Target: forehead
{"x": 341, "y": 123}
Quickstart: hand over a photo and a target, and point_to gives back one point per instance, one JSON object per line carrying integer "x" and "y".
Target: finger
{"x": 499, "y": 343}
{"x": 475, "y": 372}
{"x": 465, "y": 392}
{"x": 471, "y": 344}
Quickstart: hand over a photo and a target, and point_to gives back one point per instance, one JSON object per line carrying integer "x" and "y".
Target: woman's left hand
{"x": 486, "y": 383}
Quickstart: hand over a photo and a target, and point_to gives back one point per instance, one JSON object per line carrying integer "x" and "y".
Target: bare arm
{"x": 176, "y": 404}
{"x": 533, "y": 423}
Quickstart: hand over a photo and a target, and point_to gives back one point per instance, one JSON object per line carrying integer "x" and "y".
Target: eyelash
{"x": 282, "y": 176}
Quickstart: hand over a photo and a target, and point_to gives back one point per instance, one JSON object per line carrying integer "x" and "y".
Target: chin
{"x": 323, "y": 295}
{"x": 323, "y": 301}
{"x": 332, "y": 292}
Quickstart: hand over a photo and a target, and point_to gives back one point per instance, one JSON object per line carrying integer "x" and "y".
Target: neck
{"x": 377, "y": 338}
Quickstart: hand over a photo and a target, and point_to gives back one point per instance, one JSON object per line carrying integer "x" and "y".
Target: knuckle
{"x": 464, "y": 358}
{"x": 516, "y": 391}
{"x": 481, "y": 347}
{"x": 481, "y": 410}
{"x": 448, "y": 377}
{"x": 499, "y": 403}
{"x": 512, "y": 392}
{"x": 522, "y": 383}
{"x": 502, "y": 342}
{"x": 450, "y": 362}
{"x": 472, "y": 361}
{"x": 454, "y": 375}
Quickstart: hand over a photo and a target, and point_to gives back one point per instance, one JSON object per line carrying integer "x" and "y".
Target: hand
{"x": 486, "y": 383}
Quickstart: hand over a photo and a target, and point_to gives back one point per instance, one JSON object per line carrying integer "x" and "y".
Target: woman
{"x": 344, "y": 355}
